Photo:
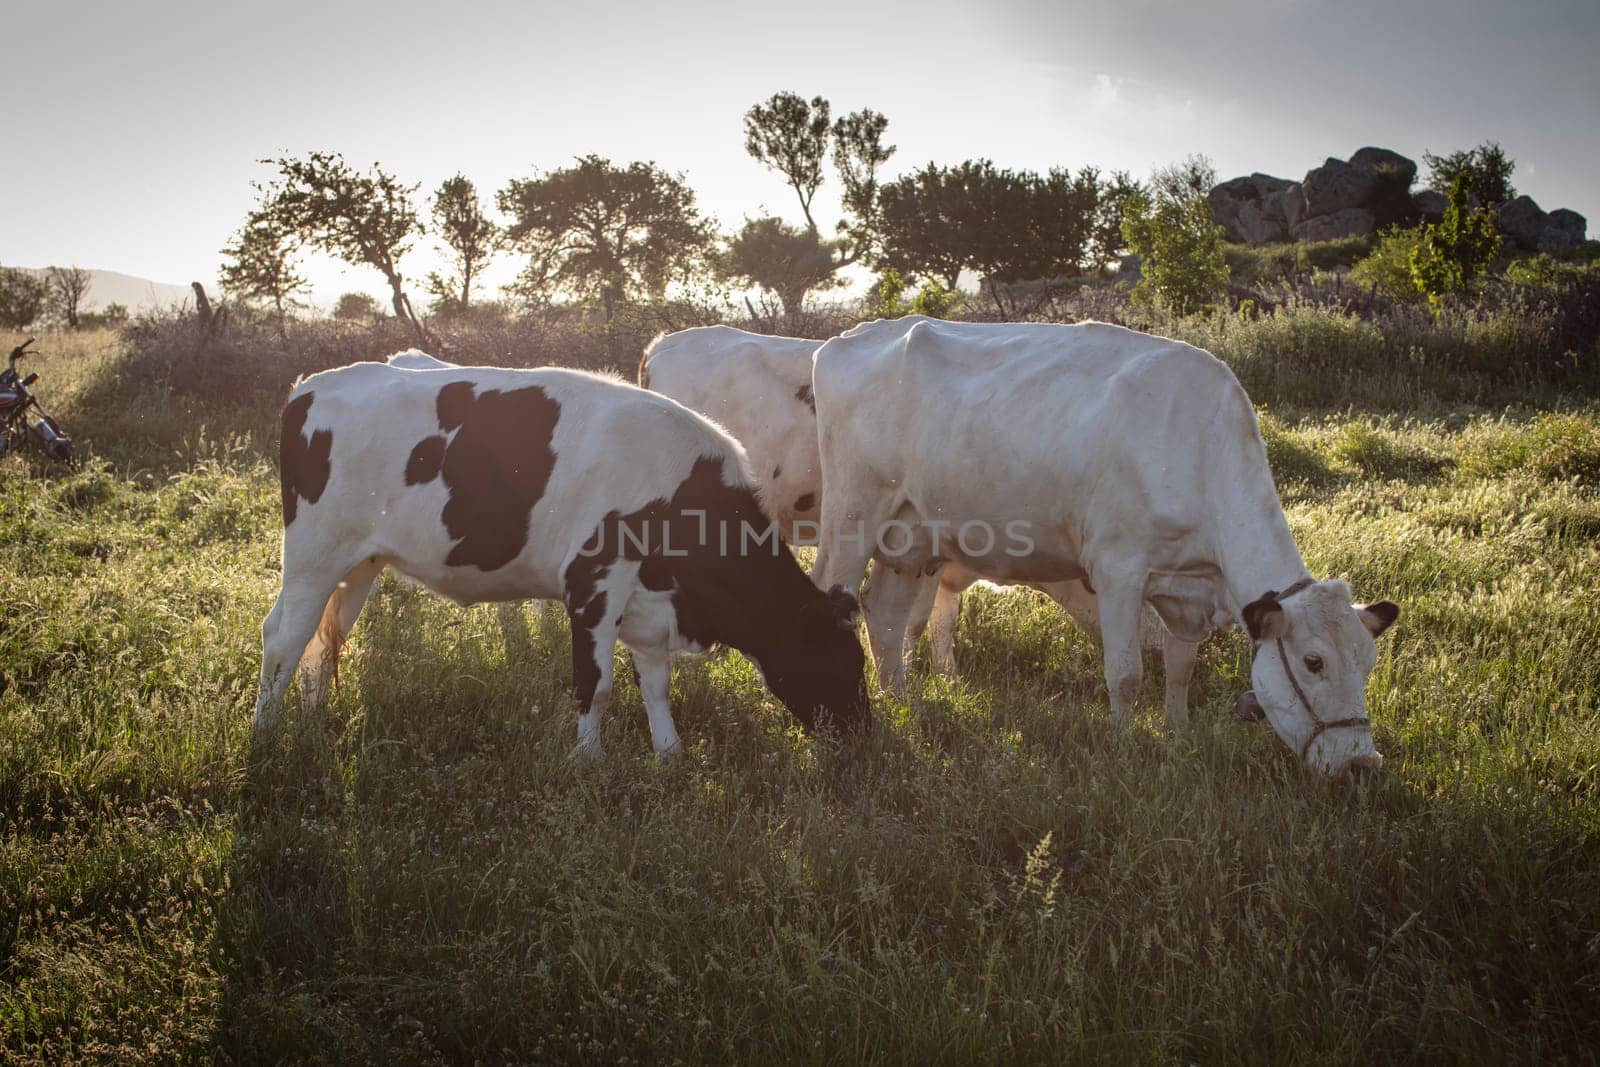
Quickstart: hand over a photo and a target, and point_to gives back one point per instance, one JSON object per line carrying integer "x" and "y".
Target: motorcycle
{"x": 23, "y": 419}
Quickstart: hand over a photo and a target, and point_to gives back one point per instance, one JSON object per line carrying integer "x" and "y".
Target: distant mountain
{"x": 135, "y": 294}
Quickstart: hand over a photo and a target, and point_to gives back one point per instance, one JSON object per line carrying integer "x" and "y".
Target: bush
{"x": 1180, "y": 246}
{"x": 1451, "y": 253}
{"x": 1555, "y": 446}
{"x": 1387, "y": 271}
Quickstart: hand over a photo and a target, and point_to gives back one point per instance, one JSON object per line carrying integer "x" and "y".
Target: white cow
{"x": 1042, "y": 452}
{"x": 488, "y": 484}
{"x": 759, "y": 387}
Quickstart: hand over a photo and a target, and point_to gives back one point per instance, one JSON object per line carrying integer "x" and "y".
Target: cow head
{"x": 822, "y": 679}
{"x": 1313, "y": 651}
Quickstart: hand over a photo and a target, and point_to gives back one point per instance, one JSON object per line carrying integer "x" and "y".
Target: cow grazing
{"x": 487, "y": 484}
{"x": 1045, "y": 453}
{"x": 759, "y": 388}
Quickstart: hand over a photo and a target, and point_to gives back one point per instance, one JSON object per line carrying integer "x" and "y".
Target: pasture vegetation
{"x": 996, "y": 875}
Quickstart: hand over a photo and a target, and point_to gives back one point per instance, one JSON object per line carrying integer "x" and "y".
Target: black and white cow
{"x": 1043, "y": 453}
{"x": 488, "y": 484}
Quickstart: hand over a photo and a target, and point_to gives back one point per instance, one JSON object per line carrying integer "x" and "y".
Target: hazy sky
{"x": 135, "y": 127}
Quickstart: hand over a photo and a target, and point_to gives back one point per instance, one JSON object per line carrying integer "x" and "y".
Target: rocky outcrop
{"x": 1251, "y": 210}
{"x": 1359, "y": 196}
{"x": 1523, "y": 223}
{"x": 1338, "y": 199}
{"x": 1346, "y": 222}
{"x": 1429, "y": 204}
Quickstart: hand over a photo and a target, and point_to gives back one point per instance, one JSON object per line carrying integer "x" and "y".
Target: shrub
{"x": 1387, "y": 271}
{"x": 1180, "y": 245}
{"x": 1451, "y": 253}
{"x": 1554, "y": 446}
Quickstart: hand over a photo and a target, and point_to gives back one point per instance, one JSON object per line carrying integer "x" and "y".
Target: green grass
{"x": 996, "y": 875}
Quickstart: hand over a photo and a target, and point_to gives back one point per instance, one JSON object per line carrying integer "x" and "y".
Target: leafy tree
{"x": 885, "y": 300}
{"x": 471, "y": 236}
{"x": 1180, "y": 247}
{"x": 260, "y": 266}
{"x": 1486, "y": 170}
{"x": 357, "y": 307}
{"x": 790, "y": 136}
{"x": 1451, "y": 253}
{"x": 68, "y": 286}
{"x": 22, "y": 298}
{"x": 364, "y": 219}
{"x": 1004, "y": 225}
{"x": 786, "y": 261}
{"x": 793, "y": 137}
{"x": 858, "y": 152}
{"x": 1189, "y": 179}
{"x": 595, "y": 229}
{"x": 1114, "y": 194}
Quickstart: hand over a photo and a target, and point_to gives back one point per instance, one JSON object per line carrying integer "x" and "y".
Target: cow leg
{"x": 1178, "y": 658}
{"x": 843, "y": 548}
{"x": 319, "y": 663}
{"x": 953, "y": 581}
{"x": 654, "y": 669}
{"x": 285, "y": 633}
{"x": 886, "y": 606}
{"x": 921, "y": 609}
{"x": 594, "y": 642}
{"x": 1121, "y": 602}
{"x": 1076, "y": 600}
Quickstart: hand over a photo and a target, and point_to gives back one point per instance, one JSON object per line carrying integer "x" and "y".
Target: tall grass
{"x": 996, "y": 875}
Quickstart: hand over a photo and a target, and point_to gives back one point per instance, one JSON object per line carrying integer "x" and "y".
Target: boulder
{"x": 1430, "y": 205}
{"x": 1337, "y": 186}
{"x": 1346, "y": 222}
{"x": 1385, "y": 161}
{"x": 1521, "y": 221}
{"x": 1294, "y": 204}
{"x": 1563, "y": 229}
{"x": 1250, "y": 210}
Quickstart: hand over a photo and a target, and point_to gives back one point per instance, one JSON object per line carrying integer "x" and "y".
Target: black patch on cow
{"x": 425, "y": 460}
{"x": 806, "y": 502}
{"x": 303, "y": 467}
{"x": 806, "y": 397}
{"x": 753, "y": 597}
{"x": 776, "y": 471}
{"x": 496, "y": 467}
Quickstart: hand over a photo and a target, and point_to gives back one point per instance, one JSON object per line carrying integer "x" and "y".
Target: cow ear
{"x": 1265, "y": 619}
{"x": 1378, "y": 617}
{"x": 844, "y": 606}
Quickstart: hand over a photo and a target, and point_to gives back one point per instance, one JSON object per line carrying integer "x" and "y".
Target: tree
{"x": 1180, "y": 246}
{"x": 858, "y": 152}
{"x": 358, "y": 307}
{"x": 784, "y": 260}
{"x": 1113, "y": 196}
{"x": 68, "y": 288}
{"x": 1486, "y": 170}
{"x": 260, "y": 266}
{"x": 1189, "y": 179}
{"x": 363, "y": 219}
{"x": 595, "y": 229}
{"x": 1451, "y": 253}
{"x": 1004, "y": 225}
{"x": 790, "y": 136}
{"x": 469, "y": 234}
{"x": 22, "y": 298}
{"x": 793, "y": 137}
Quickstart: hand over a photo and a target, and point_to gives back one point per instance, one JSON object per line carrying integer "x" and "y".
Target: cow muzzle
{"x": 1247, "y": 708}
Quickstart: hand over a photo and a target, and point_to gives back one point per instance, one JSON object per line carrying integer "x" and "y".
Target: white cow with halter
{"x": 1089, "y": 451}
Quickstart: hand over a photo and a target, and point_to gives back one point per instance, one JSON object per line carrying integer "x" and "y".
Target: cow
{"x": 491, "y": 484}
{"x": 758, "y": 387}
{"x": 1045, "y": 452}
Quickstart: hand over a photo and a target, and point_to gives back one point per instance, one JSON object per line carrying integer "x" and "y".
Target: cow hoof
{"x": 586, "y": 752}
{"x": 672, "y": 753}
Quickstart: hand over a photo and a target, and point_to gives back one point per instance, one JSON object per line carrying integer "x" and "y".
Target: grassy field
{"x": 995, "y": 876}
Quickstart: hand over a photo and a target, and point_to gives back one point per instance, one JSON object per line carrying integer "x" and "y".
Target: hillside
{"x": 135, "y": 294}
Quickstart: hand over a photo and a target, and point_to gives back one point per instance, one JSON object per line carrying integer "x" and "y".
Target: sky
{"x": 136, "y": 129}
